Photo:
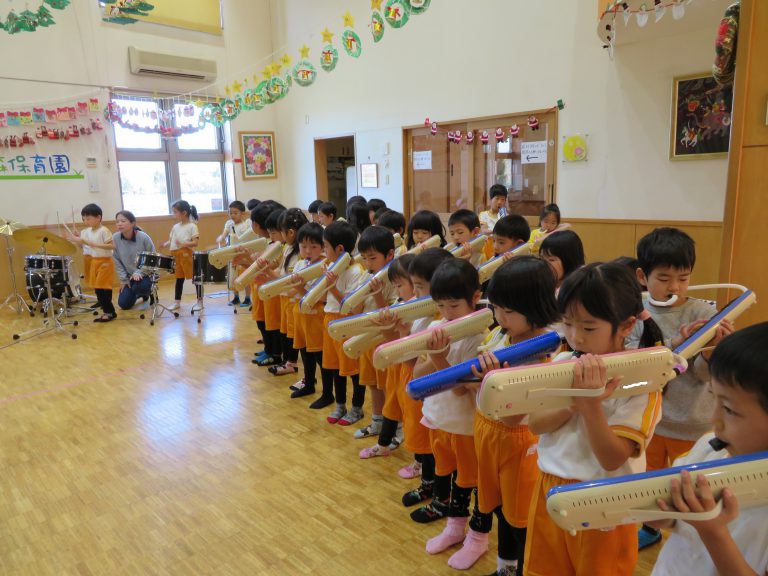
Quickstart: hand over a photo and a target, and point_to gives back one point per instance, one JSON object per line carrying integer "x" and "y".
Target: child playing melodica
{"x": 184, "y": 238}
{"x": 549, "y": 222}
{"x": 237, "y": 225}
{"x": 455, "y": 288}
{"x": 597, "y": 437}
{"x": 463, "y": 226}
{"x": 395, "y": 223}
{"x": 522, "y": 293}
{"x": 422, "y": 226}
{"x": 734, "y": 542}
{"x": 496, "y": 208}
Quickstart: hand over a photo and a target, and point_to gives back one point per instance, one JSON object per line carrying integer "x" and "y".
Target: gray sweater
{"x": 125, "y": 252}
{"x": 687, "y": 405}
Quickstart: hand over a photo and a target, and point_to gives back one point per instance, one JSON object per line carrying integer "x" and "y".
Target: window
{"x": 156, "y": 171}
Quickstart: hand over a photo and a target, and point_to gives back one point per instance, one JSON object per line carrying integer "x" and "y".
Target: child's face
{"x": 275, "y": 235}
{"x": 236, "y": 214}
{"x": 374, "y": 260}
{"x": 324, "y": 219}
{"x": 503, "y": 244}
{"x": 452, "y": 309}
{"x": 289, "y": 235}
{"x": 420, "y": 286}
{"x": 557, "y": 266}
{"x": 330, "y": 253}
{"x": 92, "y": 221}
{"x": 497, "y": 203}
{"x": 420, "y": 235}
{"x": 404, "y": 288}
{"x": 513, "y": 322}
{"x": 311, "y": 250}
{"x": 739, "y": 419}
{"x": 460, "y": 234}
{"x": 665, "y": 281}
{"x": 549, "y": 222}
{"x": 591, "y": 335}
{"x": 178, "y": 214}
{"x": 315, "y": 217}
{"x": 259, "y": 230}
{"x": 371, "y": 216}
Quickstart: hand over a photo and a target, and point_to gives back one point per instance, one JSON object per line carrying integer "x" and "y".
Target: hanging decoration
{"x": 641, "y": 10}
{"x": 31, "y": 20}
{"x": 514, "y": 131}
{"x": 377, "y": 26}
{"x": 397, "y": 12}
{"x": 165, "y": 126}
{"x": 125, "y": 11}
{"x": 349, "y": 38}
{"x": 724, "y": 67}
{"x": 304, "y": 73}
{"x": 533, "y": 122}
{"x": 418, "y": 6}
{"x": 329, "y": 56}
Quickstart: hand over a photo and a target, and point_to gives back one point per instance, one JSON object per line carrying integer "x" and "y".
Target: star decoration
{"x": 267, "y": 72}
{"x": 349, "y": 21}
{"x": 286, "y": 60}
{"x": 255, "y": 78}
{"x": 226, "y": 90}
{"x": 304, "y": 51}
{"x": 198, "y": 103}
{"x": 327, "y": 36}
{"x": 236, "y": 87}
{"x": 276, "y": 66}
{"x": 375, "y": 4}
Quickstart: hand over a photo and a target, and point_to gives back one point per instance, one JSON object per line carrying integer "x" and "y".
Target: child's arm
{"x": 547, "y": 421}
{"x": 377, "y": 286}
{"x": 190, "y": 243}
{"x": 101, "y": 245}
{"x": 434, "y": 361}
{"x": 332, "y": 279}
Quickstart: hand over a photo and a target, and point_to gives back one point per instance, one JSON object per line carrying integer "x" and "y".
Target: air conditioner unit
{"x": 167, "y": 65}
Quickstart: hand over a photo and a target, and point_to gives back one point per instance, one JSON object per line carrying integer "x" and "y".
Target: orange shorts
{"x": 550, "y": 550}
{"x": 508, "y": 468}
{"x": 101, "y": 273}
{"x": 391, "y": 408}
{"x": 662, "y": 451}
{"x": 454, "y": 452}
{"x": 87, "y": 267}
{"x": 257, "y": 308}
{"x": 290, "y": 318}
{"x": 488, "y": 248}
{"x": 416, "y": 434}
{"x": 284, "y": 300}
{"x": 183, "y": 262}
{"x": 369, "y": 376}
{"x": 299, "y": 339}
{"x": 272, "y": 313}
{"x": 333, "y": 352}
{"x": 309, "y": 329}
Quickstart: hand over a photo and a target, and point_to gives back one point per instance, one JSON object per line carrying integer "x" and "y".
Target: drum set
{"x": 154, "y": 265}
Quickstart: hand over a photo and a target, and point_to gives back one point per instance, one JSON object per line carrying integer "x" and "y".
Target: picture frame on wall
{"x": 258, "y": 155}
{"x": 701, "y": 118}
{"x": 369, "y": 175}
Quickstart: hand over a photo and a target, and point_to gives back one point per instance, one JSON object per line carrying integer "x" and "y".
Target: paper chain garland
{"x": 116, "y": 114}
{"x": 29, "y": 21}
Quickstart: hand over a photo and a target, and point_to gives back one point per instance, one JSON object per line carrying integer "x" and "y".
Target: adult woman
{"x": 128, "y": 241}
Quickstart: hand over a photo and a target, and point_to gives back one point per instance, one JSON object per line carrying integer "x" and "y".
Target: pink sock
{"x": 452, "y": 534}
{"x": 475, "y": 545}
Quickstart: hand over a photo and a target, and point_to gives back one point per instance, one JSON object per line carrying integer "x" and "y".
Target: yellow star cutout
{"x": 276, "y": 68}
{"x": 376, "y": 4}
{"x": 198, "y": 103}
{"x": 236, "y": 87}
{"x": 304, "y": 51}
{"x": 286, "y": 60}
{"x": 226, "y": 90}
{"x": 255, "y": 78}
{"x": 267, "y": 72}
{"x": 349, "y": 21}
{"x": 327, "y": 36}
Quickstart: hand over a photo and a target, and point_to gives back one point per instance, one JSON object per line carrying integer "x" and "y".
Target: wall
{"x": 463, "y": 60}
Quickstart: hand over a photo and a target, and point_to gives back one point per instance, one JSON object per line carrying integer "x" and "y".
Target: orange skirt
{"x": 184, "y": 263}
{"x": 101, "y": 273}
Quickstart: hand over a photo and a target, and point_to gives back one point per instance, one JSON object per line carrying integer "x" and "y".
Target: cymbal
{"x": 8, "y": 227}
{"x": 33, "y": 240}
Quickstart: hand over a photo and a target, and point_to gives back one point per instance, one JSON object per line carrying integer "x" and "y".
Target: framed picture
{"x": 701, "y": 118}
{"x": 369, "y": 175}
{"x": 257, "y": 154}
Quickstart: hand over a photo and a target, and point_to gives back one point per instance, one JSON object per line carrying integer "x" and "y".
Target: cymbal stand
{"x": 14, "y": 301}
{"x": 157, "y": 307}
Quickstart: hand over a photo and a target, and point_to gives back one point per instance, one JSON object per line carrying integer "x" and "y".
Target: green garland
{"x": 29, "y": 21}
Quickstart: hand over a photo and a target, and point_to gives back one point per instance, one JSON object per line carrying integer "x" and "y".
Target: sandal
{"x": 283, "y": 369}
{"x": 373, "y": 451}
{"x": 105, "y": 318}
{"x": 266, "y": 361}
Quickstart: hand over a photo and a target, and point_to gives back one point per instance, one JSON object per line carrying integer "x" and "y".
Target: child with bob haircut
{"x": 496, "y": 208}
{"x": 549, "y": 221}
{"x": 423, "y": 225}
{"x": 564, "y": 252}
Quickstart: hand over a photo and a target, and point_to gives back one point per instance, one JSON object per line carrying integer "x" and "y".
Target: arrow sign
{"x": 533, "y": 152}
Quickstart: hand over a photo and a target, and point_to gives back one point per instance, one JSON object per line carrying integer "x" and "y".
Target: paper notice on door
{"x": 533, "y": 152}
{"x": 422, "y": 160}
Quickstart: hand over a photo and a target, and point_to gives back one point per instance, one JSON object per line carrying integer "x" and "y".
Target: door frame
{"x": 321, "y": 161}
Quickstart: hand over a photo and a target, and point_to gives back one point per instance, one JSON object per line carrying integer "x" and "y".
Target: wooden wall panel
{"x": 606, "y": 240}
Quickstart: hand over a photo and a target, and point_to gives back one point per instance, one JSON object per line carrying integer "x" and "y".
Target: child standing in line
{"x": 464, "y": 226}
{"x": 237, "y": 225}
{"x": 272, "y": 307}
{"x": 423, "y": 225}
{"x": 564, "y": 252}
{"x": 326, "y": 214}
{"x": 496, "y": 208}
{"x": 184, "y": 238}
{"x": 596, "y": 437}
{"x": 549, "y": 221}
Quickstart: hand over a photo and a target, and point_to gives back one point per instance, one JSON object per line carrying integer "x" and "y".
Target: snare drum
{"x": 204, "y": 272}
{"x": 149, "y": 262}
{"x": 34, "y": 273}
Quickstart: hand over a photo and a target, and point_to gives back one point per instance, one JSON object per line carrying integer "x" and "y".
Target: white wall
{"x": 463, "y": 60}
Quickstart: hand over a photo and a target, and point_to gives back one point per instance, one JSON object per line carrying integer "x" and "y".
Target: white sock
{"x": 501, "y": 563}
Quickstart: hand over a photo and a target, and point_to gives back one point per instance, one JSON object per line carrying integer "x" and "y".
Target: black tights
{"x": 340, "y": 387}
{"x": 388, "y": 431}
{"x": 511, "y": 541}
{"x": 180, "y": 287}
{"x": 104, "y": 298}
{"x": 311, "y": 360}
{"x": 272, "y": 344}
{"x": 458, "y": 507}
{"x": 290, "y": 354}
{"x": 427, "y": 462}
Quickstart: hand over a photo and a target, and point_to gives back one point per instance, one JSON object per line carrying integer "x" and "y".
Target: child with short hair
{"x": 596, "y": 437}
{"x": 312, "y": 209}
{"x": 735, "y": 542}
{"x": 326, "y": 214}
{"x": 272, "y": 307}
{"x": 340, "y": 237}
{"x": 464, "y": 226}
{"x": 184, "y": 238}
{"x": 373, "y": 205}
{"x": 234, "y": 228}
{"x": 96, "y": 242}
{"x": 510, "y": 232}
{"x": 564, "y": 252}
{"x": 496, "y": 208}
{"x": 423, "y": 225}
{"x": 549, "y": 222}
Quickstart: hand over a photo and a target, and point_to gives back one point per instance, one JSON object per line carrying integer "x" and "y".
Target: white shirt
{"x": 388, "y": 292}
{"x": 566, "y": 452}
{"x": 352, "y": 277}
{"x": 183, "y": 233}
{"x": 446, "y": 410}
{"x": 101, "y": 235}
{"x": 239, "y": 230}
{"x": 684, "y": 554}
{"x": 488, "y": 220}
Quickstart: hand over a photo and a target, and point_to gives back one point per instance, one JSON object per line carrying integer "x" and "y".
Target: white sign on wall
{"x": 534, "y": 152}
{"x": 422, "y": 160}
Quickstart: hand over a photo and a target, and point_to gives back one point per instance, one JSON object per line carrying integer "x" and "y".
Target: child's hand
{"x": 724, "y": 329}
{"x": 274, "y": 265}
{"x": 166, "y": 244}
{"x": 465, "y": 251}
{"x": 507, "y": 256}
{"x": 296, "y": 280}
{"x": 686, "y": 331}
{"x": 590, "y": 374}
{"x": 488, "y": 362}
{"x": 689, "y": 498}
{"x": 438, "y": 342}
{"x": 376, "y": 285}
{"x": 331, "y": 277}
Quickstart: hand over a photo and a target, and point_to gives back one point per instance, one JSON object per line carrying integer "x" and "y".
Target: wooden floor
{"x": 162, "y": 450}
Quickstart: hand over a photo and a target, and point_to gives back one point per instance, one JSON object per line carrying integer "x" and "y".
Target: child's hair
{"x": 497, "y": 190}
{"x": 313, "y": 206}
{"x": 666, "y": 247}
{"x": 356, "y": 200}
{"x": 379, "y": 213}
{"x": 312, "y": 231}
{"x": 273, "y": 220}
{"x": 454, "y": 279}
{"x": 610, "y": 292}
{"x": 92, "y": 210}
{"x": 425, "y": 220}
{"x": 186, "y": 208}
{"x": 292, "y": 219}
{"x": 260, "y": 214}
{"x": 238, "y": 205}
{"x": 550, "y": 209}
{"x": 375, "y": 204}
{"x": 526, "y": 285}
{"x": 398, "y": 269}
{"x": 392, "y": 220}
{"x": 376, "y": 238}
{"x": 340, "y": 233}
{"x": 252, "y": 203}
{"x": 466, "y": 218}
{"x": 358, "y": 216}
{"x": 328, "y": 209}
{"x": 738, "y": 361}
{"x": 627, "y": 261}
{"x": 514, "y": 227}
{"x": 424, "y": 265}
{"x": 567, "y": 246}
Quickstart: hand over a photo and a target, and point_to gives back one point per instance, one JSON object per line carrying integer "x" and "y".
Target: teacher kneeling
{"x": 128, "y": 241}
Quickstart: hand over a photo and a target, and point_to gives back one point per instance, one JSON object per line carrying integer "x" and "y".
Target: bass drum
{"x": 204, "y": 272}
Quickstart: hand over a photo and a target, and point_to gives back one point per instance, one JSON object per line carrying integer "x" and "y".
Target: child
{"x": 564, "y": 252}
{"x": 395, "y": 223}
{"x": 272, "y": 307}
{"x": 735, "y": 542}
{"x": 510, "y": 232}
{"x": 251, "y": 204}
{"x": 96, "y": 241}
{"x": 373, "y": 205}
{"x": 496, "y": 209}
{"x": 595, "y": 437}
{"x": 357, "y": 216}
{"x": 455, "y": 288}
{"x": 377, "y": 248}
{"x": 463, "y": 226}
{"x": 308, "y": 337}
{"x": 326, "y": 214}
{"x": 184, "y": 238}
{"x": 522, "y": 293}
{"x": 549, "y": 221}
{"x": 423, "y": 225}
{"x": 290, "y": 221}
{"x": 312, "y": 209}
{"x": 339, "y": 237}
{"x": 236, "y": 226}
